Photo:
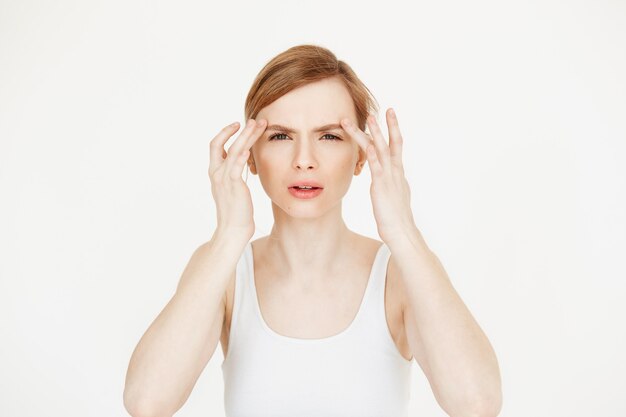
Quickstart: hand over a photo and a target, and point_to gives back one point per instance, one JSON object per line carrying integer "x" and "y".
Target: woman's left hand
{"x": 390, "y": 192}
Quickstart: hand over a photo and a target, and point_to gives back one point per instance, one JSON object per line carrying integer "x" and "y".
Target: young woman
{"x": 314, "y": 319}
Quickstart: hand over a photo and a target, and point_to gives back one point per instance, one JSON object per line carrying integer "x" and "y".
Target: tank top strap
{"x": 358, "y": 372}
{"x": 241, "y": 298}
{"x": 369, "y": 326}
{"x": 380, "y": 269}
{"x": 374, "y": 308}
{"x": 373, "y": 323}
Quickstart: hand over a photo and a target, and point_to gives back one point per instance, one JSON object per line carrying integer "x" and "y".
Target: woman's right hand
{"x": 235, "y": 215}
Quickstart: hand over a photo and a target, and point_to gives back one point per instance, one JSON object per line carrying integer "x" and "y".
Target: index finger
{"x": 245, "y": 143}
{"x": 217, "y": 143}
{"x": 362, "y": 138}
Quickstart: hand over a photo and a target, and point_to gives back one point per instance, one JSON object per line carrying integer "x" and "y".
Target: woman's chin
{"x": 302, "y": 209}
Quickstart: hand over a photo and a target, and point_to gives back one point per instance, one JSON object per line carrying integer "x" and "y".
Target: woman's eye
{"x": 332, "y": 136}
{"x": 279, "y": 136}
{"x": 273, "y": 137}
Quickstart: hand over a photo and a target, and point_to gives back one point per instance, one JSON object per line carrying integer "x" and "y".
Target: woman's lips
{"x": 306, "y": 183}
{"x": 305, "y": 194}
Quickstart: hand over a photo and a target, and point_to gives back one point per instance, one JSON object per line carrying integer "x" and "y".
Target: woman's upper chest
{"x": 324, "y": 308}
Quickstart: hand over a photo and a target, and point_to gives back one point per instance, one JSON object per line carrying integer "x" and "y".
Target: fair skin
{"x": 309, "y": 240}
{"x": 311, "y": 270}
{"x": 308, "y": 236}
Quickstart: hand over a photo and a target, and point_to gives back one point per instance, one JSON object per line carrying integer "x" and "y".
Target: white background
{"x": 513, "y": 115}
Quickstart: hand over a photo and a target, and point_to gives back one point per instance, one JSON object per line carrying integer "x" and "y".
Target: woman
{"x": 314, "y": 319}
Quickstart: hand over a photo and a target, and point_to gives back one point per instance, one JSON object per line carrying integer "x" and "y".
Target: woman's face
{"x": 293, "y": 149}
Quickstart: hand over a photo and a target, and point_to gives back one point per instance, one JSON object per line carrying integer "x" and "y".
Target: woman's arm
{"x": 445, "y": 339}
{"x": 172, "y": 353}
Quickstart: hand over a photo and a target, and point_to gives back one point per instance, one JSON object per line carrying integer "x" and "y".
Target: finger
{"x": 379, "y": 141}
{"x": 364, "y": 142}
{"x": 239, "y": 163}
{"x": 395, "y": 138}
{"x": 256, "y": 133}
{"x": 244, "y": 142}
{"x": 236, "y": 168}
{"x": 360, "y": 137}
{"x": 216, "y": 146}
{"x": 376, "y": 168}
{"x": 254, "y": 127}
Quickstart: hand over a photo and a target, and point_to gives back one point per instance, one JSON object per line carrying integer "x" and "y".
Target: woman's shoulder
{"x": 366, "y": 245}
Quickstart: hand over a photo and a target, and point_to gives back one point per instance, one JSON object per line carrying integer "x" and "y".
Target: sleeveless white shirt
{"x": 358, "y": 372}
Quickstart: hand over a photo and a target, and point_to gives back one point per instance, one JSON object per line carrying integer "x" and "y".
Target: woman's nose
{"x": 304, "y": 157}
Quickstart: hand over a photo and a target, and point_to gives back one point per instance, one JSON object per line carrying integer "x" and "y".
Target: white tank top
{"x": 358, "y": 372}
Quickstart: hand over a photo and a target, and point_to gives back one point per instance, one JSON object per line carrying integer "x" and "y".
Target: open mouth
{"x": 305, "y": 192}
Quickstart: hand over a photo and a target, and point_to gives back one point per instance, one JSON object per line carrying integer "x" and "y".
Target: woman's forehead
{"x": 288, "y": 129}
{"x": 318, "y": 102}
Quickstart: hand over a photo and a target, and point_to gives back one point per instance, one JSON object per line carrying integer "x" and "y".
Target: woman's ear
{"x": 251, "y": 164}
{"x": 361, "y": 160}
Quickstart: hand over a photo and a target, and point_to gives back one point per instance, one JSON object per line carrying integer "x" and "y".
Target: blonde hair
{"x": 301, "y": 65}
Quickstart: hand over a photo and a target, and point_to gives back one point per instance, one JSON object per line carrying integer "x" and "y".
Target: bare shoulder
{"x": 395, "y": 303}
{"x": 357, "y": 262}
{"x": 365, "y": 247}
{"x": 228, "y": 300}
{"x": 394, "y": 291}
{"x": 371, "y": 246}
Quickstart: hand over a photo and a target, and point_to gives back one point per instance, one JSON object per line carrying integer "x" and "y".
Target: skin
{"x": 310, "y": 256}
{"x": 308, "y": 236}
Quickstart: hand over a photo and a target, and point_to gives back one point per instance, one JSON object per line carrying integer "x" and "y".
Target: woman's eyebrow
{"x": 287, "y": 129}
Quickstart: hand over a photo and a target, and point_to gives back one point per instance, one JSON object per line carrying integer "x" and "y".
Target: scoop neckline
{"x": 345, "y": 331}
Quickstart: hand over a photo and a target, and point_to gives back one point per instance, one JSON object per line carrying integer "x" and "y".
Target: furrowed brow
{"x": 281, "y": 128}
